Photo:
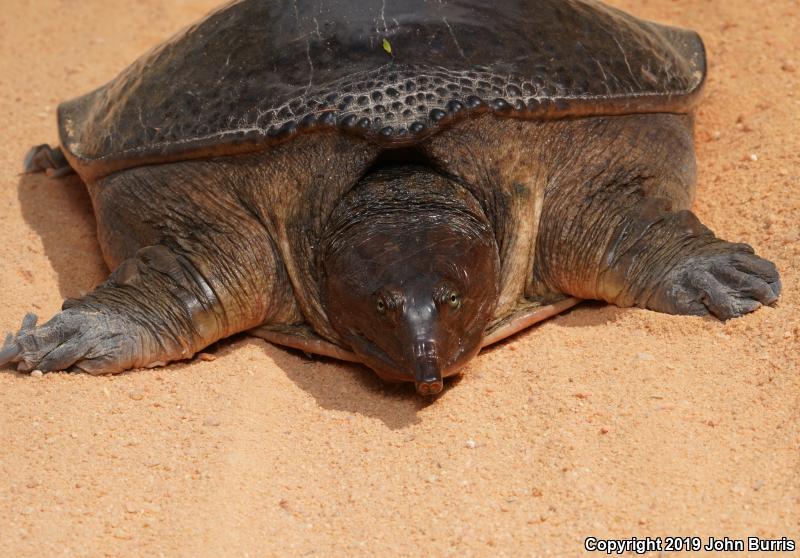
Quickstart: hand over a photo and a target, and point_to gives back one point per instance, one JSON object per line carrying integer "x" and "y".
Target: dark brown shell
{"x": 256, "y": 72}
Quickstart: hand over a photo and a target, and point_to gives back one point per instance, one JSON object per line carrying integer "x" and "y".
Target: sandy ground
{"x": 602, "y": 422}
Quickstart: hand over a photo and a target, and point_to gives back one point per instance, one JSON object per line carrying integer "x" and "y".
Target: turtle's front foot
{"x": 728, "y": 282}
{"x": 89, "y": 341}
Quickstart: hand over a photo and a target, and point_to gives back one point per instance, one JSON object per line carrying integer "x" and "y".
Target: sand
{"x": 602, "y": 422}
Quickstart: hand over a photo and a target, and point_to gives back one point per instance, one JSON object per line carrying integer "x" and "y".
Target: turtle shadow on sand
{"x": 60, "y": 212}
{"x": 591, "y": 313}
{"x": 350, "y": 387}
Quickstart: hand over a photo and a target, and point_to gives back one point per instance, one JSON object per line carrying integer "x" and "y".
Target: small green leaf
{"x": 387, "y": 46}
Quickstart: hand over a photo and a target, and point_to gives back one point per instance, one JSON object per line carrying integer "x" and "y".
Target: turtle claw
{"x": 9, "y": 351}
{"x": 727, "y": 284}
{"x": 29, "y": 321}
{"x": 11, "y": 347}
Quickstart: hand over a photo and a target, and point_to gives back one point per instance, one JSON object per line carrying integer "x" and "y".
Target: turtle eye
{"x": 380, "y": 305}
{"x": 454, "y": 299}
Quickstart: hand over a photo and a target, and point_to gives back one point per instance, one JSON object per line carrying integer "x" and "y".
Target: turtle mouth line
{"x": 373, "y": 353}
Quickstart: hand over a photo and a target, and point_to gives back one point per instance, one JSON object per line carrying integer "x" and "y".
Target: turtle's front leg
{"x": 632, "y": 250}
{"x": 674, "y": 264}
{"x": 154, "y": 308}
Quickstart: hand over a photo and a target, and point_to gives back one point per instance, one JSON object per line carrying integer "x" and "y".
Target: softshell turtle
{"x": 397, "y": 183}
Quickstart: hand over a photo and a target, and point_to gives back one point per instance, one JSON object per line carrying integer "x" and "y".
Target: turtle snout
{"x": 428, "y": 369}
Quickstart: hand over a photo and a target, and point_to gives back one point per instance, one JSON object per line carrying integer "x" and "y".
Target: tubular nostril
{"x": 427, "y": 367}
{"x": 429, "y": 388}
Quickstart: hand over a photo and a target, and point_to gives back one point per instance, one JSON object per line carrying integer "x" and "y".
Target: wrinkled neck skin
{"x": 410, "y": 274}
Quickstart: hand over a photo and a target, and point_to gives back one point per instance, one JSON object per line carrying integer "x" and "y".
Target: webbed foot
{"x": 88, "y": 341}
{"x": 727, "y": 283}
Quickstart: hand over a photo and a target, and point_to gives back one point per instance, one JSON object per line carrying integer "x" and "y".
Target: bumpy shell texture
{"x": 256, "y": 72}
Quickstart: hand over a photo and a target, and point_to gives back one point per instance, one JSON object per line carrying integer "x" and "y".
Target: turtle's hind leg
{"x": 43, "y": 158}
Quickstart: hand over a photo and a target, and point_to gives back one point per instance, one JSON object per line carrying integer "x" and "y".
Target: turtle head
{"x": 411, "y": 272}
